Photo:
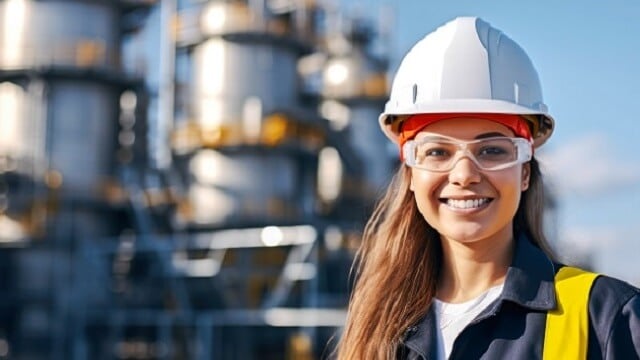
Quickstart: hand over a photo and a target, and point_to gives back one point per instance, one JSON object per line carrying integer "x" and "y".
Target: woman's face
{"x": 442, "y": 196}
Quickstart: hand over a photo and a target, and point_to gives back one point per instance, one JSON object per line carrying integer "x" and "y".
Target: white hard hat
{"x": 467, "y": 66}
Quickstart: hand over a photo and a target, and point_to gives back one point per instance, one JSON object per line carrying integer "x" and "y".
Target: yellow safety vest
{"x": 567, "y": 331}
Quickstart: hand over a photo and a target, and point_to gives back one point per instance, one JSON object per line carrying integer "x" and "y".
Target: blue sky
{"x": 588, "y": 58}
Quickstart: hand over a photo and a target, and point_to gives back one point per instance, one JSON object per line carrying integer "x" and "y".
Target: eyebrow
{"x": 489, "y": 135}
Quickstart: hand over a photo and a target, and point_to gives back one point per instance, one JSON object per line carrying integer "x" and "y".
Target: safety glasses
{"x": 440, "y": 153}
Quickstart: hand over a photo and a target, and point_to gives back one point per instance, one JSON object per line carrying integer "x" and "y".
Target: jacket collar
{"x": 529, "y": 283}
{"x": 530, "y": 278}
{"x": 423, "y": 336}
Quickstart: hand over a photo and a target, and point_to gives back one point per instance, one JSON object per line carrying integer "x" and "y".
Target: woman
{"x": 454, "y": 262}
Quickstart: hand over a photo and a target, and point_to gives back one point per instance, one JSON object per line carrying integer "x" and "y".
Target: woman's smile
{"x": 467, "y": 204}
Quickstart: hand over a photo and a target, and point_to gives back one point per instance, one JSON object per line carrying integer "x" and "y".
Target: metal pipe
{"x": 161, "y": 153}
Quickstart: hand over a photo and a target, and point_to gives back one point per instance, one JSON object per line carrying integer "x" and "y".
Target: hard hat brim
{"x": 388, "y": 121}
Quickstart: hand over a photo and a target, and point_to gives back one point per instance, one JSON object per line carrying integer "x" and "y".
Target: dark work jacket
{"x": 513, "y": 326}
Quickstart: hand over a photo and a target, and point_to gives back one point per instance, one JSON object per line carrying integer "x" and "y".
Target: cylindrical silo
{"x": 60, "y": 85}
{"x": 234, "y": 116}
{"x": 60, "y": 89}
{"x": 354, "y": 89}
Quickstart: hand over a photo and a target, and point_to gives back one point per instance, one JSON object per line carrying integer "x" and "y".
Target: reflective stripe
{"x": 567, "y": 329}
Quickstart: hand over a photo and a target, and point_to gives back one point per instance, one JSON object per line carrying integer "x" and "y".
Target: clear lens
{"x": 440, "y": 154}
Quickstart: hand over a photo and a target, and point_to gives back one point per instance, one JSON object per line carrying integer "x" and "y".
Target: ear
{"x": 526, "y": 176}
{"x": 411, "y": 181}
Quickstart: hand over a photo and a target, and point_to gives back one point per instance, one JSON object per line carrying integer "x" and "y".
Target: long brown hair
{"x": 398, "y": 264}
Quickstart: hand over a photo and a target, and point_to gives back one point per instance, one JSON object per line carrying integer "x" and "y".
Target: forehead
{"x": 464, "y": 128}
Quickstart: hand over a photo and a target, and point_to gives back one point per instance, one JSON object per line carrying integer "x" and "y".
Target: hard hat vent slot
{"x": 415, "y": 92}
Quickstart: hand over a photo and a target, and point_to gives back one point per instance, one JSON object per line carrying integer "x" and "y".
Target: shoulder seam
{"x": 629, "y": 294}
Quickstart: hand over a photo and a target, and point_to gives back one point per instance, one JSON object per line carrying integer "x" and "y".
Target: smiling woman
{"x": 454, "y": 263}
{"x": 465, "y": 203}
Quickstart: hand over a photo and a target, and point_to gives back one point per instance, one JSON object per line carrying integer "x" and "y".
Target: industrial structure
{"x": 183, "y": 179}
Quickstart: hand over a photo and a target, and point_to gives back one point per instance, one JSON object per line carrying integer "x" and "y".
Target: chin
{"x": 472, "y": 233}
{"x": 463, "y": 237}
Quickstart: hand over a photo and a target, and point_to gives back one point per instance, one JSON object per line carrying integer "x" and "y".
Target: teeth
{"x": 467, "y": 204}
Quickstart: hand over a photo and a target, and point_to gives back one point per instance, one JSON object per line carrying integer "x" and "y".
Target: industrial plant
{"x": 184, "y": 179}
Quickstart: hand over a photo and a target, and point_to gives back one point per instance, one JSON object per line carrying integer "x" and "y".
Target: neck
{"x": 469, "y": 269}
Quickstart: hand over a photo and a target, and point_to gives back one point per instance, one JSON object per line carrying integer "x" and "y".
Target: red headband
{"x": 415, "y": 123}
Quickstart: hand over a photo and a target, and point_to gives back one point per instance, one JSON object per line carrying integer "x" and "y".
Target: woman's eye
{"x": 492, "y": 151}
{"x": 435, "y": 152}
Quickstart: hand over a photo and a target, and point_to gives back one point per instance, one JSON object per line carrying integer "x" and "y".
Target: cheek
{"x": 510, "y": 186}
{"x": 424, "y": 185}
{"x": 508, "y": 178}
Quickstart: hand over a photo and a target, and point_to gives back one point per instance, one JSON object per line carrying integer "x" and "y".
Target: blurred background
{"x": 184, "y": 179}
{"x": 189, "y": 179}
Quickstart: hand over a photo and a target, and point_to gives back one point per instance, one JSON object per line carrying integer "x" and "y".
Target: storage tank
{"x": 60, "y": 88}
{"x": 40, "y": 33}
{"x": 354, "y": 90}
{"x": 247, "y": 157}
{"x": 61, "y": 85}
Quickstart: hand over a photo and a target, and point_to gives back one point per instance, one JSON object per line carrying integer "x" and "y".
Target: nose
{"x": 465, "y": 172}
